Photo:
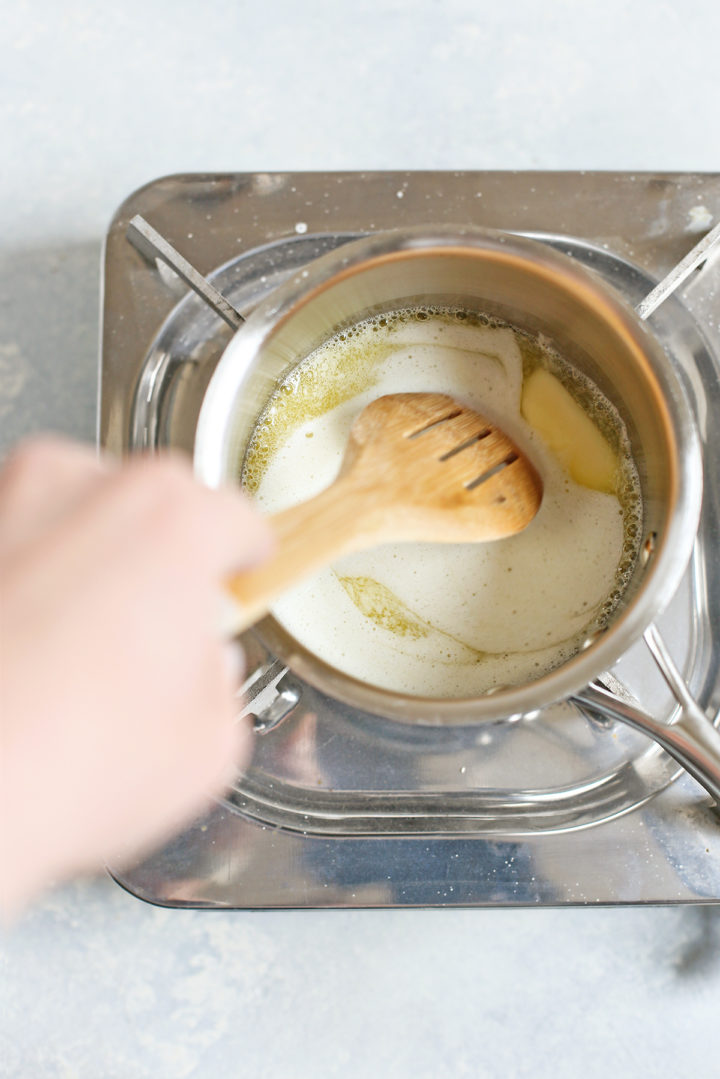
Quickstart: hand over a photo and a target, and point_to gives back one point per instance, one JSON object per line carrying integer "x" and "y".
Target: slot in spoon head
{"x": 440, "y": 471}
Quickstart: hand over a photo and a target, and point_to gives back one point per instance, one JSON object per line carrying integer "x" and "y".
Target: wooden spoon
{"x": 418, "y": 466}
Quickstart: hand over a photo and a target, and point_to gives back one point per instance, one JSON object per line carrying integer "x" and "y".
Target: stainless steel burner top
{"x": 346, "y": 809}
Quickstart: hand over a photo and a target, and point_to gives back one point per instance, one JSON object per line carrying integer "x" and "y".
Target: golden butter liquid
{"x": 448, "y": 620}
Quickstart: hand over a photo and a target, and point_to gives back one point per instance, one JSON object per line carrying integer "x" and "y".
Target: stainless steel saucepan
{"x": 537, "y": 289}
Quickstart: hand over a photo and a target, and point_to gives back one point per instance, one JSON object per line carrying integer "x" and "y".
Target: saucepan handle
{"x": 692, "y": 740}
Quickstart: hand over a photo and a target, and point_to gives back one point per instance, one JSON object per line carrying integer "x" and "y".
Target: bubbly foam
{"x": 436, "y": 619}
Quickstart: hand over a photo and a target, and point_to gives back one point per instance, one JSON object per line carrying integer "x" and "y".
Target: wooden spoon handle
{"x": 339, "y": 520}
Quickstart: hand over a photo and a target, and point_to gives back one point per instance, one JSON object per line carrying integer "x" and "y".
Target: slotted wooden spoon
{"x": 418, "y": 466}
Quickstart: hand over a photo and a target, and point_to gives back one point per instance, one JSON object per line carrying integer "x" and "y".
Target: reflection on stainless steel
{"x": 342, "y": 808}
{"x": 286, "y": 693}
{"x": 690, "y": 739}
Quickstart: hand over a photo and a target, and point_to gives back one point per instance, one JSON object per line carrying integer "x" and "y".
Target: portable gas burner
{"x": 570, "y": 805}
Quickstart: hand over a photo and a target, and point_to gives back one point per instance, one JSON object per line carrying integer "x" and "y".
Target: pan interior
{"x": 461, "y": 619}
{"x": 596, "y": 337}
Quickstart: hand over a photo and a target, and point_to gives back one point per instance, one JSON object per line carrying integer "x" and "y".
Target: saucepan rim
{"x": 213, "y": 445}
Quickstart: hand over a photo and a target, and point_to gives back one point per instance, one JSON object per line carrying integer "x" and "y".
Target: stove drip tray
{"x": 343, "y": 808}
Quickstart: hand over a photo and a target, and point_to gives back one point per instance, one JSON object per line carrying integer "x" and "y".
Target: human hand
{"x": 118, "y": 710}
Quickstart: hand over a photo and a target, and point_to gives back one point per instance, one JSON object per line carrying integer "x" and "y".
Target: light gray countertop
{"x": 97, "y": 100}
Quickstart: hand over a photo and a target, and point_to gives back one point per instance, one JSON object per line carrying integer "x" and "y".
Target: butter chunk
{"x": 569, "y": 432}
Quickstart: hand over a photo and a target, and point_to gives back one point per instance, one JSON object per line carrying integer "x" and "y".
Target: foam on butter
{"x": 444, "y": 620}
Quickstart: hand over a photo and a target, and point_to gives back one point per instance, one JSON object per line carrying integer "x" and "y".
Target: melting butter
{"x": 571, "y": 435}
{"x": 438, "y": 619}
{"x": 379, "y": 604}
{"x": 343, "y": 376}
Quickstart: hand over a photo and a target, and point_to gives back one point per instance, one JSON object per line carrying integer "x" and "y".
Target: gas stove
{"x": 343, "y": 809}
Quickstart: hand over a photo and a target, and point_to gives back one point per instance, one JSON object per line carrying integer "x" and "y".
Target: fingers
{"x": 41, "y": 481}
{"x": 150, "y": 513}
{"x": 248, "y": 538}
{"x": 212, "y": 531}
{"x": 235, "y": 663}
{"x": 115, "y": 602}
